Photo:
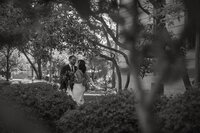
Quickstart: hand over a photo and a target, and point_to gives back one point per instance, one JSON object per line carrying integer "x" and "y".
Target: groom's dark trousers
{"x": 65, "y": 78}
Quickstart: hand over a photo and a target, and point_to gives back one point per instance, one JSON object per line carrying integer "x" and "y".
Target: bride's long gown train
{"x": 78, "y": 92}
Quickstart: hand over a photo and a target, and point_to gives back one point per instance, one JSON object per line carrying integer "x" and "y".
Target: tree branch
{"x": 110, "y": 32}
{"x": 126, "y": 59}
{"x": 101, "y": 45}
{"x": 117, "y": 70}
{"x": 143, "y": 9}
{"x": 34, "y": 68}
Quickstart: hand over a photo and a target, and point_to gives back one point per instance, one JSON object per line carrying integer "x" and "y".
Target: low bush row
{"x": 181, "y": 113}
{"x": 116, "y": 113}
{"x": 111, "y": 113}
{"x": 39, "y": 101}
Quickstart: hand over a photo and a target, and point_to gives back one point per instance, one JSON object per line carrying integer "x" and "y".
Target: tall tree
{"x": 160, "y": 21}
{"x": 9, "y": 63}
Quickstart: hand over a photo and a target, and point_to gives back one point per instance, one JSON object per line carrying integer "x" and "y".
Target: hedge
{"x": 113, "y": 113}
{"x": 181, "y": 113}
{"x": 40, "y": 101}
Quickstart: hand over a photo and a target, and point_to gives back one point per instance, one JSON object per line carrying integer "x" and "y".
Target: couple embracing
{"x": 74, "y": 79}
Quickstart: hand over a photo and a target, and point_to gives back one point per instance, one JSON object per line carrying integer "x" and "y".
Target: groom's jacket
{"x": 67, "y": 76}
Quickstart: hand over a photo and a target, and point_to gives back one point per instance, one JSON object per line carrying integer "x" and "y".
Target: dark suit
{"x": 67, "y": 77}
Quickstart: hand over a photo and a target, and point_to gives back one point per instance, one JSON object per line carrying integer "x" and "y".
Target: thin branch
{"x": 101, "y": 45}
{"x": 143, "y": 9}
{"x": 126, "y": 59}
{"x": 29, "y": 60}
{"x": 110, "y": 32}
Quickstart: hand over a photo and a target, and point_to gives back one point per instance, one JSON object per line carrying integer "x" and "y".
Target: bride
{"x": 80, "y": 78}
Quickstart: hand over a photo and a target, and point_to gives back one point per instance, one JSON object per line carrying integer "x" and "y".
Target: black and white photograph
{"x": 99, "y": 66}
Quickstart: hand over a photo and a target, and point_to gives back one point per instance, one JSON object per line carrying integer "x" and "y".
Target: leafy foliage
{"x": 113, "y": 113}
{"x": 13, "y": 61}
{"x": 13, "y": 25}
{"x": 180, "y": 114}
{"x": 40, "y": 101}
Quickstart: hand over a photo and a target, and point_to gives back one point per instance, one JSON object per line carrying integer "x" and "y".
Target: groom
{"x": 67, "y": 74}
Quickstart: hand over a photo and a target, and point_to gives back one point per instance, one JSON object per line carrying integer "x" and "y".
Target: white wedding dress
{"x": 78, "y": 93}
{"x": 78, "y": 89}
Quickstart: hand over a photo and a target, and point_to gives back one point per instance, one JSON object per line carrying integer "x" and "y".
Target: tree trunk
{"x": 113, "y": 77}
{"x": 158, "y": 25}
{"x": 39, "y": 63}
{"x": 118, "y": 75}
{"x": 128, "y": 74}
{"x": 50, "y": 70}
{"x": 186, "y": 80}
{"x": 7, "y": 64}
{"x": 7, "y": 53}
{"x": 93, "y": 73}
{"x": 144, "y": 109}
{"x": 117, "y": 71}
{"x": 197, "y": 61}
{"x": 127, "y": 80}
{"x": 117, "y": 37}
{"x": 32, "y": 73}
{"x": 123, "y": 54}
{"x": 33, "y": 66}
{"x": 125, "y": 57}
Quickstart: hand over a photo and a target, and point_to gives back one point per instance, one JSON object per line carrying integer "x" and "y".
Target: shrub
{"x": 181, "y": 113}
{"x": 113, "y": 113}
{"x": 39, "y": 100}
{"x": 4, "y": 83}
{"x": 160, "y": 103}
